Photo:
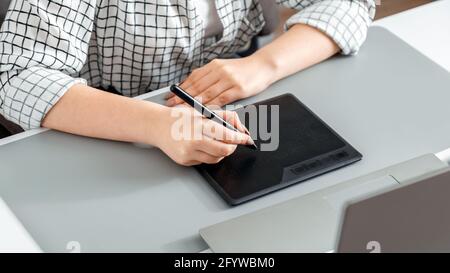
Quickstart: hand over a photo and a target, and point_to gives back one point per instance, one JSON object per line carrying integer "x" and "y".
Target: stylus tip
{"x": 252, "y": 146}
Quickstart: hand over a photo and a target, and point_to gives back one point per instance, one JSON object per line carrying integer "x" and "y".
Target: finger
{"x": 186, "y": 85}
{"x": 202, "y": 84}
{"x": 187, "y": 163}
{"x": 221, "y": 133}
{"x": 196, "y": 75}
{"x": 206, "y": 158}
{"x": 168, "y": 95}
{"x": 192, "y": 163}
{"x": 226, "y": 97}
{"x": 213, "y": 91}
{"x": 233, "y": 118}
{"x": 173, "y": 101}
{"x": 214, "y": 147}
{"x": 196, "y": 87}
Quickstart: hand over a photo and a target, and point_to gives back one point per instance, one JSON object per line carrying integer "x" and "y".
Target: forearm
{"x": 300, "y": 47}
{"x": 90, "y": 112}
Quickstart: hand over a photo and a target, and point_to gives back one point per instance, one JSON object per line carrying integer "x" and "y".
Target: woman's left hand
{"x": 223, "y": 81}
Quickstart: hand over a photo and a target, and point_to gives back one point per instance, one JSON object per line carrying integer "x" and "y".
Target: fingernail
{"x": 252, "y": 145}
{"x": 251, "y": 141}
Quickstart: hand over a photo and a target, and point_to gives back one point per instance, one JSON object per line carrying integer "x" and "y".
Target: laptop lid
{"x": 413, "y": 218}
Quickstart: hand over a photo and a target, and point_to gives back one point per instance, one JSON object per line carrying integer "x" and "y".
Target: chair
{"x": 4, "y": 4}
{"x": 271, "y": 16}
{"x": 272, "y": 19}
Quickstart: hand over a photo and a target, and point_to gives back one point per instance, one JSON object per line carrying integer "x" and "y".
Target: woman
{"x": 56, "y": 57}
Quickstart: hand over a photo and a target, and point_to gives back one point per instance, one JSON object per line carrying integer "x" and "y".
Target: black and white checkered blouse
{"x": 136, "y": 46}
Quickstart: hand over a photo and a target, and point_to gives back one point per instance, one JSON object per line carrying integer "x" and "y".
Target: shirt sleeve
{"x": 42, "y": 43}
{"x": 344, "y": 21}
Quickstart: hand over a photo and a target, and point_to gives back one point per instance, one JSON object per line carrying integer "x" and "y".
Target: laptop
{"x": 311, "y": 223}
{"x": 412, "y": 218}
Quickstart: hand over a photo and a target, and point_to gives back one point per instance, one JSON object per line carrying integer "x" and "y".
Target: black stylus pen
{"x": 205, "y": 111}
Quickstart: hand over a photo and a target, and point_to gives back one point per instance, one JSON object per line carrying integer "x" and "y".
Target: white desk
{"x": 398, "y": 26}
{"x": 13, "y": 236}
{"x": 426, "y": 28}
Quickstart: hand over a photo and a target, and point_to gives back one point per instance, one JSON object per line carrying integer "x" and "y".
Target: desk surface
{"x": 141, "y": 201}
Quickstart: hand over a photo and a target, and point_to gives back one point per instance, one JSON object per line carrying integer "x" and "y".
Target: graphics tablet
{"x": 307, "y": 147}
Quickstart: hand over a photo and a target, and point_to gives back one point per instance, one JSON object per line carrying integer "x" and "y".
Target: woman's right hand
{"x": 190, "y": 139}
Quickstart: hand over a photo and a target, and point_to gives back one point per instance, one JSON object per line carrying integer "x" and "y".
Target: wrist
{"x": 153, "y": 123}
{"x": 267, "y": 65}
